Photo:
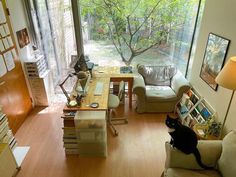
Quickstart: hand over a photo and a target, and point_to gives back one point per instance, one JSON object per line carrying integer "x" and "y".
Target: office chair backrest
{"x": 121, "y": 90}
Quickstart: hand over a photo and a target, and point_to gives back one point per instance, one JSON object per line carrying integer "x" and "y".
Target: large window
{"x": 128, "y": 32}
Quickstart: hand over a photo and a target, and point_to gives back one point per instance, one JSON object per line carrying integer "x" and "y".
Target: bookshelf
{"x": 194, "y": 109}
{"x": 6, "y": 135}
{"x": 8, "y": 167}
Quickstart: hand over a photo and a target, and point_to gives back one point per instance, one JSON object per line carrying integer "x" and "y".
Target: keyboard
{"x": 98, "y": 89}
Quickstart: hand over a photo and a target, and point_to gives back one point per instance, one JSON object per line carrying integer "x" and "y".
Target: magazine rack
{"x": 193, "y": 108}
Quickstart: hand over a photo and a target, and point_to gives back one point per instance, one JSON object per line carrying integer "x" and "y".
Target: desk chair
{"x": 113, "y": 103}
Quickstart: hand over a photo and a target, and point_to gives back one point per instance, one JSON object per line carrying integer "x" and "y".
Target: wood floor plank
{"x": 138, "y": 151}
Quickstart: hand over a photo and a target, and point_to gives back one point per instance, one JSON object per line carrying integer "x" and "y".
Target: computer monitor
{"x": 80, "y": 64}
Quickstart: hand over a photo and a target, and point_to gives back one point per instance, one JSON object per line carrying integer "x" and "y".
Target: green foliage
{"x": 136, "y": 25}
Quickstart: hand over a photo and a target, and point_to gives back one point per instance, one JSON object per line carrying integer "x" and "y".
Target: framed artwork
{"x": 215, "y": 53}
{"x": 23, "y": 37}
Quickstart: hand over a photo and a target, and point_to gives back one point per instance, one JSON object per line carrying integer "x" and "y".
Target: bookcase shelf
{"x": 193, "y": 109}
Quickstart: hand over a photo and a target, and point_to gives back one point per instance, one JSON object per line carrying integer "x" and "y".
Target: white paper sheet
{"x": 6, "y": 29}
{"x": 19, "y": 153}
{"x": 5, "y": 42}
{"x": 1, "y": 46}
{"x": 2, "y": 15}
{"x": 13, "y": 51}
{"x": 3, "y": 69}
{"x": 2, "y": 31}
{"x": 10, "y": 41}
{"x": 9, "y": 60}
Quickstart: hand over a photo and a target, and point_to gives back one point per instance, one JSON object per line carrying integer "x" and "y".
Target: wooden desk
{"x": 90, "y": 97}
{"x": 115, "y": 76}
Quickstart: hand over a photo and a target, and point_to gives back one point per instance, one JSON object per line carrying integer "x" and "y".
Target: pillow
{"x": 226, "y": 163}
{"x": 157, "y": 75}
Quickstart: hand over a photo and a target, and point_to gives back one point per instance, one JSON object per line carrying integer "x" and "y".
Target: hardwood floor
{"x": 138, "y": 151}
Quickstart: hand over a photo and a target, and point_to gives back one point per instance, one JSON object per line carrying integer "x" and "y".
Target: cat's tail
{"x": 199, "y": 161}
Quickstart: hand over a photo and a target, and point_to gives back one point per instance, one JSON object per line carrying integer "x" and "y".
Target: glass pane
{"x": 128, "y": 32}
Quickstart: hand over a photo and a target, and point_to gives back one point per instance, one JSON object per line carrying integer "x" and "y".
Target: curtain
{"x": 52, "y": 30}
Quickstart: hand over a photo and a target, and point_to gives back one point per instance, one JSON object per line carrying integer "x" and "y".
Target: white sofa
{"x": 220, "y": 154}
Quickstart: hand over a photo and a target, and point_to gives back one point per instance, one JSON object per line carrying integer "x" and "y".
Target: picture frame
{"x": 23, "y": 37}
{"x": 214, "y": 57}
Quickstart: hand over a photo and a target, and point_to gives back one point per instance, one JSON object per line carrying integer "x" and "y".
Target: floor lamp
{"x": 227, "y": 78}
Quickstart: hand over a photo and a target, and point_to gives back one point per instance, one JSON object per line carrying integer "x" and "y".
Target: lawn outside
{"x": 104, "y": 53}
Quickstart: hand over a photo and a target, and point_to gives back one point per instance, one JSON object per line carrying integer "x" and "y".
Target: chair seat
{"x": 159, "y": 93}
{"x": 113, "y": 101}
{"x": 179, "y": 172}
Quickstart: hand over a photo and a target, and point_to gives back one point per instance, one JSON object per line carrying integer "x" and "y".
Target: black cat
{"x": 184, "y": 139}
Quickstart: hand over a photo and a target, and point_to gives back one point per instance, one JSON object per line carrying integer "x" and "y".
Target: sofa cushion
{"x": 157, "y": 75}
{"x": 159, "y": 93}
{"x": 179, "y": 172}
{"x": 226, "y": 162}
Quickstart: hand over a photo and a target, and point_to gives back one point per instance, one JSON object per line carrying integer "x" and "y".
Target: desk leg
{"x": 130, "y": 85}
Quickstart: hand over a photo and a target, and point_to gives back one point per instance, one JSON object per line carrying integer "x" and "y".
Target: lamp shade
{"x": 227, "y": 76}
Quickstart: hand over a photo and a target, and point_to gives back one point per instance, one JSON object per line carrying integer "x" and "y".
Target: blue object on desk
{"x": 126, "y": 69}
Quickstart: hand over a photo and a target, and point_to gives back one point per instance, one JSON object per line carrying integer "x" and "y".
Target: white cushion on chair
{"x": 113, "y": 101}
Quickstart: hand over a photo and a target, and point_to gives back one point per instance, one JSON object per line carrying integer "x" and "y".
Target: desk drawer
{"x": 92, "y": 149}
{"x": 88, "y": 135}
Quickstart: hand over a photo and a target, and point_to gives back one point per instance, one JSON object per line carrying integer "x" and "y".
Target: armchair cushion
{"x": 157, "y": 75}
{"x": 227, "y": 159}
{"x": 159, "y": 93}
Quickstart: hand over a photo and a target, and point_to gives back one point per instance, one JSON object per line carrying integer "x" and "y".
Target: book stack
{"x": 69, "y": 135}
{"x": 6, "y": 135}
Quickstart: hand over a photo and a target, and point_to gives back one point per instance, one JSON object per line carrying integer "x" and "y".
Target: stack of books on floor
{"x": 69, "y": 134}
{"x": 6, "y": 135}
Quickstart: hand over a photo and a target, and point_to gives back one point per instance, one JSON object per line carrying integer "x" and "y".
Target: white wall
{"x": 219, "y": 18}
{"x": 19, "y": 21}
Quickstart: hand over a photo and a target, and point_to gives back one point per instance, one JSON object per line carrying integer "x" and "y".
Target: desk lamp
{"x": 70, "y": 102}
{"x": 83, "y": 79}
{"x": 227, "y": 78}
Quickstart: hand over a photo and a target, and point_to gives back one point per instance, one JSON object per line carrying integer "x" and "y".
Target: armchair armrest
{"x": 210, "y": 151}
{"x": 139, "y": 86}
{"x": 179, "y": 84}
